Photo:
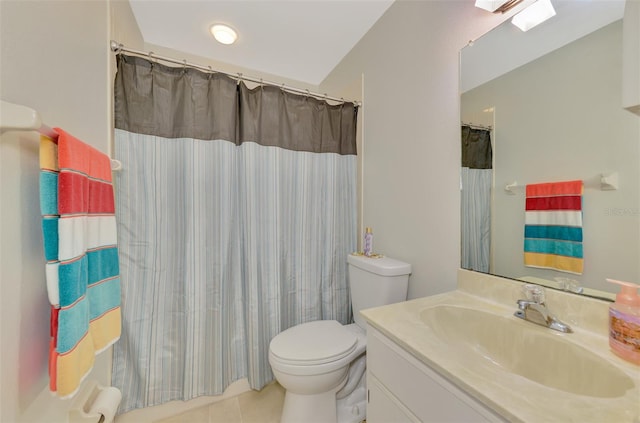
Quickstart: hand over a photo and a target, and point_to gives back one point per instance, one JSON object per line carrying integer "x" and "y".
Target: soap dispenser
{"x": 624, "y": 322}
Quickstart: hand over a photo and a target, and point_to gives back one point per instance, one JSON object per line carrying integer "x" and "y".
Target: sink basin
{"x": 529, "y": 351}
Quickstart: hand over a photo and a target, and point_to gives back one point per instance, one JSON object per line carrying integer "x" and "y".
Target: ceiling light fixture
{"x": 223, "y": 34}
{"x": 497, "y": 6}
{"x": 534, "y": 15}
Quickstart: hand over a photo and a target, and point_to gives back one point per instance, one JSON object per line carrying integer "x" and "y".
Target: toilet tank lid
{"x": 383, "y": 266}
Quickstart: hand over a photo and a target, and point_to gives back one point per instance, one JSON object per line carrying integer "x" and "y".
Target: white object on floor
{"x": 93, "y": 402}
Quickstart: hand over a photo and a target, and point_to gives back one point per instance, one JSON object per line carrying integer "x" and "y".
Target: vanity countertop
{"x": 514, "y": 397}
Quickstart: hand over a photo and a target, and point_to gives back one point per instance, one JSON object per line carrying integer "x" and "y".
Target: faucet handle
{"x": 534, "y": 293}
{"x": 523, "y": 304}
{"x": 568, "y": 284}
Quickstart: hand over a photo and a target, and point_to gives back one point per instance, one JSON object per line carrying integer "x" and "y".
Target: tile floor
{"x": 263, "y": 406}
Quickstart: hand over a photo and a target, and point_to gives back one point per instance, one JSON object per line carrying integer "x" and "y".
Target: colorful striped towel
{"x": 553, "y": 226}
{"x": 83, "y": 283}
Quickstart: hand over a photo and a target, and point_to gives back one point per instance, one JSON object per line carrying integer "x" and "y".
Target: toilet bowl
{"x": 311, "y": 361}
{"x": 321, "y": 364}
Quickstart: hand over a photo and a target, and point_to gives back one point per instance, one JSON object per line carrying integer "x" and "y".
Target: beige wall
{"x": 411, "y": 122}
{"x": 54, "y": 59}
{"x": 567, "y": 125}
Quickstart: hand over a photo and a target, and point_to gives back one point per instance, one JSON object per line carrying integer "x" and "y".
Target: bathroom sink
{"x": 527, "y": 350}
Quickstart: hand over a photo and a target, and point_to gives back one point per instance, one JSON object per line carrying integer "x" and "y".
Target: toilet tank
{"x": 375, "y": 282}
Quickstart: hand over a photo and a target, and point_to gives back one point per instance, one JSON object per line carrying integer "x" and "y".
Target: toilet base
{"x": 316, "y": 408}
{"x": 353, "y": 409}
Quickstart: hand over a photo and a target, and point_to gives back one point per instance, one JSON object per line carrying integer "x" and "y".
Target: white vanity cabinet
{"x": 403, "y": 389}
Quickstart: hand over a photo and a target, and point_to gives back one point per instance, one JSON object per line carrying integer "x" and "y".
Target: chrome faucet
{"x": 534, "y": 310}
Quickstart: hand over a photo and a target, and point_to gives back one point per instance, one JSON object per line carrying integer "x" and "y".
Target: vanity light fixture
{"x": 223, "y": 34}
{"x": 534, "y": 15}
{"x": 497, "y": 6}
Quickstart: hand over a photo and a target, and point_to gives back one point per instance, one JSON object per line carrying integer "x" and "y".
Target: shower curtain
{"x": 476, "y": 181}
{"x": 236, "y": 211}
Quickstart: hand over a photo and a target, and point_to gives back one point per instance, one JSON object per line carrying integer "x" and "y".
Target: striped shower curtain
{"x": 236, "y": 211}
{"x": 476, "y": 180}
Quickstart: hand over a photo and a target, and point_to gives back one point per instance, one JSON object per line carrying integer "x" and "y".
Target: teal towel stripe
{"x": 102, "y": 264}
{"x": 48, "y": 193}
{"x": 72, "y": 281}
{"x": 565, "y": 233}
{"x": 559, "y": 248}
{"x": 104, "y": 297}
{"x": 73, "y": 324}
{"x": 50, "y": 237}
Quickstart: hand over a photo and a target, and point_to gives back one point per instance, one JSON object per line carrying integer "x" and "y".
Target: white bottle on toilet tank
{"x": 367, "y": 244}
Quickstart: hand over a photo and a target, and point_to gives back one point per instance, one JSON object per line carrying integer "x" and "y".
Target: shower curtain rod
{"x": 117, "y": 48}
{"x": 472, "y": 126}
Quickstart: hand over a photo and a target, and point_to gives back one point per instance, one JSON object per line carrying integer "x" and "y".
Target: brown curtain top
{"x": 476, "y": 148}
{"x": 182, "y": 102}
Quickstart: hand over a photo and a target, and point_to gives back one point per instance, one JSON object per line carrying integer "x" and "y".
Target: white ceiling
{"x": 301, "y": 40}
{"x": 505, "y": 47}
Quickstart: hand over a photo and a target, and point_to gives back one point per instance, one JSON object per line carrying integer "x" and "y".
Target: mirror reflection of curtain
{"x": 476, "y": 179}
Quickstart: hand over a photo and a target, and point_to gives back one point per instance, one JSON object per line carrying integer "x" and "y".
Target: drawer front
{"x": 383, "y": 407}
{"x": 425, "y": 393}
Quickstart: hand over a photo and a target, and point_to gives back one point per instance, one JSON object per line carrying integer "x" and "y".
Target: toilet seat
{"x": 313, "y": 343}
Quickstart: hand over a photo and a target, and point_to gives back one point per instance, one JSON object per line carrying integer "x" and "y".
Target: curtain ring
{"x": 239, "y": 78}
{"x": 152, "y": 61}
{"x": 210, "y": 73}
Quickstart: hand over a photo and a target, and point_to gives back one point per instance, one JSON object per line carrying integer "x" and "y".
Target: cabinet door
{"x": 383, "y": 407}
{"x": 427, "y": 395}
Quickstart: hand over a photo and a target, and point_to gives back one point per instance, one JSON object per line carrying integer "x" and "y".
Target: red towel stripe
{"x": 54, "y": 322}
{"x": 53, "y": 342}
{"x": 568, "y": 202}
{"x": 84, "y": 195}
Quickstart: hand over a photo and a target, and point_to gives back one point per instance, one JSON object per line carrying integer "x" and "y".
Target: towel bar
{"x": 15, "y": 117}
{"x": 604, "y": 182}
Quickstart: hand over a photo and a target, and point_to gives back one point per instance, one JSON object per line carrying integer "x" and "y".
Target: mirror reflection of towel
{"x": 553, "y": 226}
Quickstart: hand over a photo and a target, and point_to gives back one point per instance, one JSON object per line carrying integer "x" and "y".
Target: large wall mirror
{"x": 550, "y": 100}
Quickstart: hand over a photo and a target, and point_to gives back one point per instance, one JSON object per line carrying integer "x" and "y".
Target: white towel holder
{"x": 604, "y": 182}
{"x": 509, "y": 188}
{"x": 609, "y": 181}
{"x": 16, "y": 117}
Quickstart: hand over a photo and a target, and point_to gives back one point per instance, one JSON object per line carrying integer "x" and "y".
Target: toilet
{"x": 321, "y": 364}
